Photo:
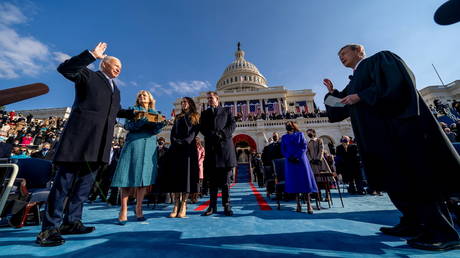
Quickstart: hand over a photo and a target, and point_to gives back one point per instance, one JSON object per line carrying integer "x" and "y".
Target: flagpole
{"x": 438, "y": 75}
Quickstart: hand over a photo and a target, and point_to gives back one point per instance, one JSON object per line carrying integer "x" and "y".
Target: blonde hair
{"x": 151, "y": 99}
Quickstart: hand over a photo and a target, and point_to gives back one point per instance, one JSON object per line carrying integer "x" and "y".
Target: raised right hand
{"x": 99, "y": 50}
{"x": 329, "y": 85}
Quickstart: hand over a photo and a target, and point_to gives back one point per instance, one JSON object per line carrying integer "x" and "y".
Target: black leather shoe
{"x": 75, "y": 228}
{"x": 228, "y": 212}
{"x": 422, "y": 242}
{"x": 401, "y": 230}
{"x": 50, "y": 237}
{"x": 209, "y": 211}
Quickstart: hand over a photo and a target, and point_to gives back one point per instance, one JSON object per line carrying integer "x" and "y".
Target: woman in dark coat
{"x": 183, "y": 172}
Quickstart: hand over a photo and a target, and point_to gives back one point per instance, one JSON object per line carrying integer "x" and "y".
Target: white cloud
{"x": 10, "y": 14}
{"x": 133, "y": 83}
{"x": 20, "y": 55}
{"x": 60, "y": 57}
{"x": 158, "y": 89}
{"x": 181, "y": 87}
{"x": 189, "y": 87}
{"x": 119, "y": 82}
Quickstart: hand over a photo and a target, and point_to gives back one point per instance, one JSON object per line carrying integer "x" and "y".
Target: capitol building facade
{"x": 261, "y": 109}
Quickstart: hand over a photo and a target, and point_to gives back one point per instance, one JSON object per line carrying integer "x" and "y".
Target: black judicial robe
{"x": 401, "y": 144}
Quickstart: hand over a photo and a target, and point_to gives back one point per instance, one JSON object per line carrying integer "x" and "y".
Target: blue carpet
{"x": 242, "y": 175}
{"x": 334, "y": 232}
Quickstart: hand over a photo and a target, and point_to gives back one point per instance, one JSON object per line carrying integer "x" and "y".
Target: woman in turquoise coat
{"x": 137, "y": 167}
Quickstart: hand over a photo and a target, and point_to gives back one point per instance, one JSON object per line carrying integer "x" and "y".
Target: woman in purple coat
{"x": 298, "y": 173}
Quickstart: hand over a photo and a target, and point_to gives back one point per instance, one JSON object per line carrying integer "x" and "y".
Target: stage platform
{"x": 257, "y": 229}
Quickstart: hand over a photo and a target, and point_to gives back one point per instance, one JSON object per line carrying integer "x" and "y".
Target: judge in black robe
{"x": 401, "y": 144}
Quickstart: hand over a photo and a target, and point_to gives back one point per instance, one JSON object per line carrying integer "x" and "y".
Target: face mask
{"x": 275, "y": 138}
{"x": 289, "y": 128}
{"x": 45, "y": 149}
{"x": 343, "y": 141}
{"x": 161, "y": 143}
{"x": 310, "y": 135}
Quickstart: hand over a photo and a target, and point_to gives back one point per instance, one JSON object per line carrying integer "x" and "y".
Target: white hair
{"x": 108, "y": 59}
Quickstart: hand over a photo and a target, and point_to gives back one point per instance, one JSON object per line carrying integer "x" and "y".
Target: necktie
{"x": 111, "y": 84}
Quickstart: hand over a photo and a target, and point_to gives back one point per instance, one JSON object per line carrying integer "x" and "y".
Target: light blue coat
{"x": 137, "y": 166}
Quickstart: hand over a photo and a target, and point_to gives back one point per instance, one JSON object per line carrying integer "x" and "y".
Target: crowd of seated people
{"x": 28, "y": 137}
{"x": 278, "y": 116}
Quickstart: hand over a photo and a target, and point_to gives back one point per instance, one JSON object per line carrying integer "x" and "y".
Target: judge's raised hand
{"x": 350, "y": 99}
{"x": 99, "y": 50}
{"x": 329, "y": 85}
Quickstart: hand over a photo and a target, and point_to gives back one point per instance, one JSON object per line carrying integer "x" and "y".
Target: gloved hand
{"x": 316, "y": 162}
{"x": 293, "y": 160}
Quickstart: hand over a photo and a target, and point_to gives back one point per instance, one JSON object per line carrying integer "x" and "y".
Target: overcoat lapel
{"x": 107, "y": 83}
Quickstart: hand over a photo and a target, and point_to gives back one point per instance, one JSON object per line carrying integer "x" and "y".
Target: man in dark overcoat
{"x": 217, "y": 125}
{"x": 85, "y": 142}
{"x": 347, "y": 164}
{"x": 402, "y": 146}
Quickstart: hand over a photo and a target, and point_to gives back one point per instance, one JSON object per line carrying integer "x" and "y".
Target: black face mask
{"x": 275, "y": 138}
{"x": 289, "y": 128}
{"x": 161, "y": 143}
{"x": 310, "y": 135}
{"x": 343, "y": 141}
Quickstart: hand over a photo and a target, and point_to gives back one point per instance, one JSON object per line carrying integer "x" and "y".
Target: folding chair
{"x": 34, "y": 180}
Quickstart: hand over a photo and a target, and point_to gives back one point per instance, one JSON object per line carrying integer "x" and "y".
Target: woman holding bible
{"x": 137, "y": 167}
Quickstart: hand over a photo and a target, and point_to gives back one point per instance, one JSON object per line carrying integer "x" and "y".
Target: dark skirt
{"x": 181, "y": 173}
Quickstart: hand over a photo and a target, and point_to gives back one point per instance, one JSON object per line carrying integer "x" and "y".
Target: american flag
{"x": 276, "y": 107}
{"x": 244, "y": 107}
{"x": 300, "y": 106}
{"x": 270, "y": 107}
{"x": 231, "y": 106}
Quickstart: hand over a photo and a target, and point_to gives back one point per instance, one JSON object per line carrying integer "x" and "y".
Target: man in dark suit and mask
{"x": 403, "y": 149}
{"x": 85, "y": 142}
{"x": 217, "y": 126}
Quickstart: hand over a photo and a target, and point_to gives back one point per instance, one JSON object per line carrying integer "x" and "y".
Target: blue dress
{"x": 137, "y": 166}
{"x": 299, "y": 175}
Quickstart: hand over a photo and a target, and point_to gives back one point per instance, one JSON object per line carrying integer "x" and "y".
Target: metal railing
{"x": 9, "y": 186}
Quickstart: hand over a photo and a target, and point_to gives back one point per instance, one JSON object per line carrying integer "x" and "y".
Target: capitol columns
{"x": 279, "y": 106}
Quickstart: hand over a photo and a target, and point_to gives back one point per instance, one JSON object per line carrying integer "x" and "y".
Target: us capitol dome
{"x": 241, "y": 72}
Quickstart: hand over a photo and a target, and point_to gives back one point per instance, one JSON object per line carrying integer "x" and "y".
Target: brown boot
{"x": 176, "y": 197}
{"x": 183, "y": 206}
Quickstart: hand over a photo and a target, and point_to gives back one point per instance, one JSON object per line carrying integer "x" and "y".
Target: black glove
{"x": 316, "y": 162}
{"x": 293, "y": 160}
{"x": 220, "y": 135}
{"x": 179, "y": 141}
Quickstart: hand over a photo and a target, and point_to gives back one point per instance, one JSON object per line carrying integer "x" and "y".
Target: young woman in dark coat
{"x": 183, "y": 172}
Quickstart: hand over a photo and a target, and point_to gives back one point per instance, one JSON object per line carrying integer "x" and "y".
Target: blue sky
{"x": 177, "y": 48}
